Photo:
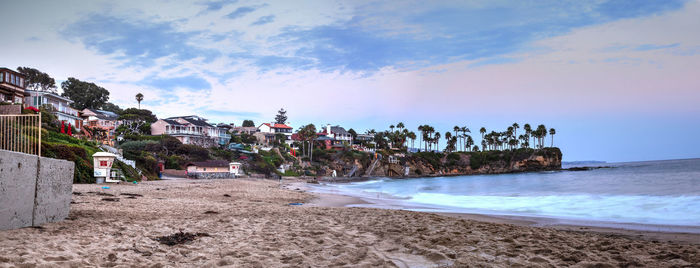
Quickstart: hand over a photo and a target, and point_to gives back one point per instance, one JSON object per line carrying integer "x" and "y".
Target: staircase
{"x": 119, "y": 157}
{"x": 352, "y": 171}
{"x": 371, "y": 167}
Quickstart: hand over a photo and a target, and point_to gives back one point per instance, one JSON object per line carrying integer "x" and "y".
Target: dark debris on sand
{"x": 211, "y": 212}
{"x": 133, "y": 195}
{"x": 179, "y": 238}
{"x": 110, "y": 199}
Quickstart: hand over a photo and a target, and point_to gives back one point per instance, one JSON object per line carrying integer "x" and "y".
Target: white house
{"x": 61, "y": 106}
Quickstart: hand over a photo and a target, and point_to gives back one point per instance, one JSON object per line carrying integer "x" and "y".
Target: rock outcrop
{"x": 467, "y": 163}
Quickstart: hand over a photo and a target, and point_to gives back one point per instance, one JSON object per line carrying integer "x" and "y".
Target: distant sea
{"x": 653, "y": 192}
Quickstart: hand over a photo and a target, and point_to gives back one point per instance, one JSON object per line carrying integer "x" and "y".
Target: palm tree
{"x": 469, "y": 142}
{"x": 456, "y": 130}
{"x": 551, "y": 133}
{"x": 139, "y": 98}
{"x": 412, "y": 136}
{"x": 541, "y": 134}
{"x": 528, "y": 132}
{"x": 515, "y": 129}
{"x": 465, "y": 130}
{"x": 448, "y": 136}
{"x": 437, "y": 141}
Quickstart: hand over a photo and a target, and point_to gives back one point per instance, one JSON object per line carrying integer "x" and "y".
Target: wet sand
{"x": 249, "y": 223}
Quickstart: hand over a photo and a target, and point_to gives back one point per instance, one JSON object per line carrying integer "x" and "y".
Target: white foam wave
{"x": 671, "y": 210}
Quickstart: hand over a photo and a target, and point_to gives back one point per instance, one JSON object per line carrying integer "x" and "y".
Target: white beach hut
{"x": 102, "y": 163}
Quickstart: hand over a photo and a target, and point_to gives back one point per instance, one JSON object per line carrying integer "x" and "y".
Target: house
{"x": 213, "y": 169}
{"x": 191, "y": 130}
{"x": 12, "y": 86}
{"x": 267, "y": 131}
{"x": 241, "y": 130}
{"x": 105, "y": 120}
{"x": 61, "y": 106}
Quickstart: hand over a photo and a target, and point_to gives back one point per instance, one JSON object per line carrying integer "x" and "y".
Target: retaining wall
{"x": 33, "y": 190}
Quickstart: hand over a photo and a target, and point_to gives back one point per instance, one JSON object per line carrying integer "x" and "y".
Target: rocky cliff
{"x": 467, "y": 163}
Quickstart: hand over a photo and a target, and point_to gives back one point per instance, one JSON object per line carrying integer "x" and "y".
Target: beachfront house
{"x": 267, "y": 131}
{"x": 191, "y": 129}
{"x": 213, "y": 169}
{"x": 61, "y": 106}
{"x": 246, "y": 130}
{"x": 12, "y": 86}
{"x": 105, "y": 120}
{"x": 335, "y": 137}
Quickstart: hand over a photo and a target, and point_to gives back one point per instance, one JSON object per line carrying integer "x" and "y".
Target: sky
{"x": 618, "y": 80}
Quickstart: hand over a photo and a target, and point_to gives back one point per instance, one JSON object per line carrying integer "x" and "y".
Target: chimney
{"x": 328, "y": 129}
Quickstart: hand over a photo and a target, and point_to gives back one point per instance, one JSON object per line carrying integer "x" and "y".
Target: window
{"x": 103, "y": 163}
{"x": 2, "y": 77}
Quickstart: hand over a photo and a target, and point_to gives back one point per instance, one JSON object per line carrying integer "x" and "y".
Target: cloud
{"x": 240, "y": 12}
{"x": 192, "y": 82}
{"x": 646, "y": 47}
{"x": 135, "y": 42}
{"x": 264, "y": 20}
{"x": 217, "y": 5}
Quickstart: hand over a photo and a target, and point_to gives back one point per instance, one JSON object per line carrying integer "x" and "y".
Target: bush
{"x": 432, "y": 158}
{"x": 175, "y": 162}
{"x": 193, "y": 152}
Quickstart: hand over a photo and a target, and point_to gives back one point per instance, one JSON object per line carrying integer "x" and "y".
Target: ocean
{"x": 647, "y": 193}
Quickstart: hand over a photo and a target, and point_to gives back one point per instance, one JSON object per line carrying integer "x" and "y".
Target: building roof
{"x": 104, "y": 115}
{"x": 193, "y": 119}
{"x": 275, "y": 125}
{"x": 339, "y": 130}
{"x": 172, "y": 122}
{"x": 210, "y": 163}
{"x": 50, "y": 94}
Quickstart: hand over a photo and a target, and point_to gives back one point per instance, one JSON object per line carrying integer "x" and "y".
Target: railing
{"x": 186, "y": 132}
{"x": 21, "y": 133}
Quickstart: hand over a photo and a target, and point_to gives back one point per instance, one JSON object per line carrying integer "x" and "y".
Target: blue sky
{"x": 611, "y": 76}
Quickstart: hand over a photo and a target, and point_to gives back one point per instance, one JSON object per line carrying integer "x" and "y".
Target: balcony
{"x": 184, "y": 132}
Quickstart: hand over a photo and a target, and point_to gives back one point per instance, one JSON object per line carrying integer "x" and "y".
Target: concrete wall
{"x": 33, "y": 190}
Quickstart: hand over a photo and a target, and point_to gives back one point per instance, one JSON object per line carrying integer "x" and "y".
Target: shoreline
{"x": 648, "y": 232}
{"x": 260, "y": 223}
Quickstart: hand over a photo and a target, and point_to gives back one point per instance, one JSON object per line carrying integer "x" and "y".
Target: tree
{"x": 139, "y": 98}
{"x": 136, "y": 122}
{"x": 541, "y": 133}
{"x": 37, "y": 80}
{"x": 307, "y": 134}
{"x": 437, "y": 140}
{"x": 528, "y": 133}
{"x": 84, "y": 94}
{"x": 551, "y": 134}
{"x": 281, "y": 117}
{"x": 112, "y": 108}
{"x": 411, "y": 135}
{"x": 469, "y": 142}
{"x": 248, "y": 123}
{"x": 353, "y": 133}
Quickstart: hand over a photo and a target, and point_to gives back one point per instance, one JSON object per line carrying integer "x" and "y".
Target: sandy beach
{"x": 250, "y": 223}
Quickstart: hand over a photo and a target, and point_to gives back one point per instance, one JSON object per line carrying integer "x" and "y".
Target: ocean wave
{"x": 671, "y": 210}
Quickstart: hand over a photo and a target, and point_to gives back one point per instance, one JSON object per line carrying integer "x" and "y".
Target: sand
{"x": 251, "y": 224}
